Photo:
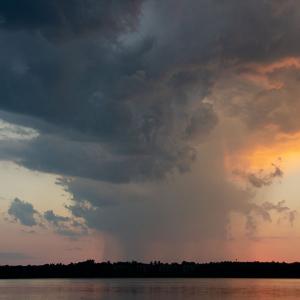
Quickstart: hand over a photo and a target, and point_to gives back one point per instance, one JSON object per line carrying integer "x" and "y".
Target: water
{"x": 144, "y": 289}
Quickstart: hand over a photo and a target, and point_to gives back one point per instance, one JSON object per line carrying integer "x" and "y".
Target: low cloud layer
{"x": 23, "y": 212}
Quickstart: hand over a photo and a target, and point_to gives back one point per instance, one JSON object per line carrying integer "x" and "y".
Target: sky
{"x": 149, "y": 130}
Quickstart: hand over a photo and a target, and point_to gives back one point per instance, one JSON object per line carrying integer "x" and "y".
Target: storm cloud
{"x": 136, "y": 90}
{"x": 125, "y": 102}
{"x": 60, "y": 19}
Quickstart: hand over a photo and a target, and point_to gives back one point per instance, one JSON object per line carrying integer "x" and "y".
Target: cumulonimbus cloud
{"x": 121, "y": 95}
{"x": 139, "y": 95}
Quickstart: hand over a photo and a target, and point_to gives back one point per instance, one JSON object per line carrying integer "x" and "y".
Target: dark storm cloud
{"x": 61, "y": 18}
{"x": 271, "y": 99}
{"x": 60, "y": 156}
{"x": 227, "y": 32}
{"x": 139, "y": 93}
{"x": 146, "y": 124}
{"x": 23, "y": 212}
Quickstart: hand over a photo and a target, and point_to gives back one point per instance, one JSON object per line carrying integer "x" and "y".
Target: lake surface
{"x": 125, "y": 289}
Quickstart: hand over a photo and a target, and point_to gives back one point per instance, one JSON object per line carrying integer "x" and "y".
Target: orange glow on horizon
{"x": 284, "y": 149}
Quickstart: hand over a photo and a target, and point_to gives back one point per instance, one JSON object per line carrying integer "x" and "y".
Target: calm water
{"x": 125, "y": 289}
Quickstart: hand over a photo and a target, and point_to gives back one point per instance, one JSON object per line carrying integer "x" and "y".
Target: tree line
{"x": 91, "y": 269}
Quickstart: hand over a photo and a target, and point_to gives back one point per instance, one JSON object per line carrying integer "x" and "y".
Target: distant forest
{"x": 91, "y": 269}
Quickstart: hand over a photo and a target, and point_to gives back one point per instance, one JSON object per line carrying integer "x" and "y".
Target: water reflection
{"x": 144, "y": 289}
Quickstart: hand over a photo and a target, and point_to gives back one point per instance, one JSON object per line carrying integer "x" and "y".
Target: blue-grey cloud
{"x": 27, "y": 215}
{"x": 51, "y": 217}
{"x": 65, "y": 226}
{"x": 23, "y": 212}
